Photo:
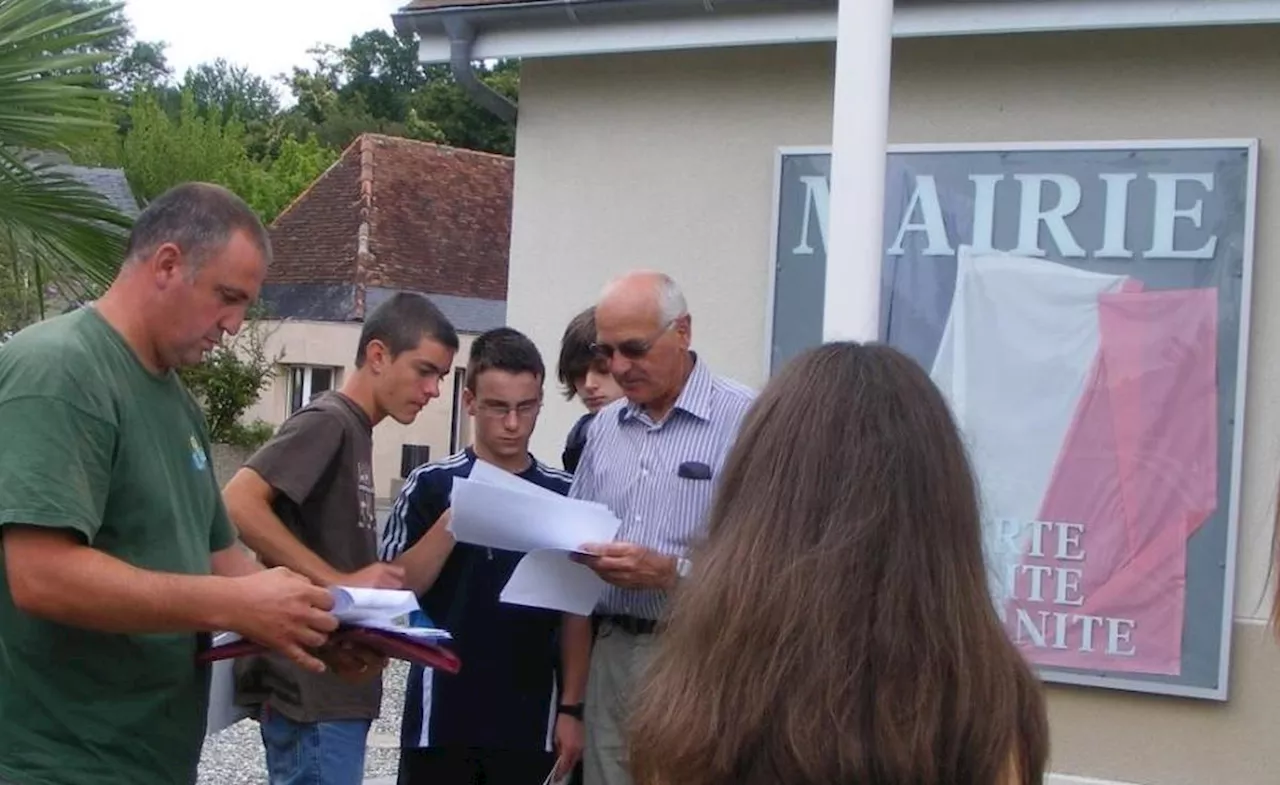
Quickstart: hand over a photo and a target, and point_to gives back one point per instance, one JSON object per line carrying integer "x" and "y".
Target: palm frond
{"x": 56, "y": 229}
{"x": 47, "y": 82}
{"x": 60, "y": 227}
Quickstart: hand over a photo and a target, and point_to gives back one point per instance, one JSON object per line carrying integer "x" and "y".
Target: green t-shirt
{"x": 93, "y": 443}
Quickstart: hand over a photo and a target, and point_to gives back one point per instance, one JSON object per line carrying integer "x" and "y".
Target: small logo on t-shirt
{"x": 368, "y": 503}
{"x": 198, "y": 457}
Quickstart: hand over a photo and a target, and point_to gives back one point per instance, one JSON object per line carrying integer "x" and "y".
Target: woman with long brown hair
{"x": 838, "y": 628}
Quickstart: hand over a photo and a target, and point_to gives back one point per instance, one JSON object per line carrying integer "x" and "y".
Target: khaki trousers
{"x": 617, "y": 660}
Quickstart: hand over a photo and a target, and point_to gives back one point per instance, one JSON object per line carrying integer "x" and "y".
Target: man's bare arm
{"x": 234, "y": 562}
{"x": 248, "y": 498}
{"x": 53, "y": 576}
{"x": 422, "y": 562}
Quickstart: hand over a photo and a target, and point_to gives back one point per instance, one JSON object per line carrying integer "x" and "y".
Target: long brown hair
{"x": 837, "y": 628}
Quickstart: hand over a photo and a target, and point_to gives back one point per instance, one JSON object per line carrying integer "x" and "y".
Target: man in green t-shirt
{"x": 118, "y": 558}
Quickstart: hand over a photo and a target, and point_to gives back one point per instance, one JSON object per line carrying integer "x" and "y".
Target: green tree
{"x": 18, "y": 305}
{"x": 230, "y": 381}
{"x": 52, "y": 227}
{"x": 161, "y": 151}
{"x": 376, "y": 83}
{"x": 226, "y": 90}
{"x": 462, "y": 121}
{"x": 143, "y": 66}
{"x": 269, "y": 186}
{"x": 384, "y": 70}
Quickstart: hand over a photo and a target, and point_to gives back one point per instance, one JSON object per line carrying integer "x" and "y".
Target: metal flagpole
{"x": 859, "y": 142}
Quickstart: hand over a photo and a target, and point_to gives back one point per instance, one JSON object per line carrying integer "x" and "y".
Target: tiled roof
{"x": 111, "y": 183}
{"x": 400, "y": 214}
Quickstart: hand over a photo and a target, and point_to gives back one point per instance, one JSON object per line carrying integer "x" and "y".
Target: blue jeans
{"x": 314, "y": 753}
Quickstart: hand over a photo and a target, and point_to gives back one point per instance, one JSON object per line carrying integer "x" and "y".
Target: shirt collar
{"x": 695, "y": 396}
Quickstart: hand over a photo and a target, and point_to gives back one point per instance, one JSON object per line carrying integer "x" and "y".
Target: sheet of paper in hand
{"x": 223, "y": 711}
{"x": 389, "y": 621}
{"x": 496, "y": 509}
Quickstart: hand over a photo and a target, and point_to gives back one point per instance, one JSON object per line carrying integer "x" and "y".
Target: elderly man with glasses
{"x": 653, "y": 457}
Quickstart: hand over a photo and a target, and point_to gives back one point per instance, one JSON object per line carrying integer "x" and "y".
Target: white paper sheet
{"x": 483, "y": 471}
{"x": 223, "y": 711}
{"x": 552, "y": 773}
{"x": 353, "y": 605}
{"x": 383, "y": 609}
{"x": 496, "y": 509}
{"x": 403, "y": 630}
{"x": 487, "y": 473}
{"x": 549, "y": 579}
{"x": 502, "y": 517}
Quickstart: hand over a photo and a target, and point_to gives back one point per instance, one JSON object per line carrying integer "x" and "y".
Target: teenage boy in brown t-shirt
{"x": 306, "y": 501}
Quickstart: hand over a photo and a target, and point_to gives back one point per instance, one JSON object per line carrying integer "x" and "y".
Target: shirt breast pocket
{"x": 693, "y": 485}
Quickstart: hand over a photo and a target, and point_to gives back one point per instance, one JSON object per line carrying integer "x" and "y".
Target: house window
{"x": 308, "y": 381}
{"x": 459, "y": 436}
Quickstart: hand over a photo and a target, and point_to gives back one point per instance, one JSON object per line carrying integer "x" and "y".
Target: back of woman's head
{"x": 838, "y": 627}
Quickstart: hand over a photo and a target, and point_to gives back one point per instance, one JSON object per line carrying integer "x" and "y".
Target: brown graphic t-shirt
{"x": 320, "y": 463}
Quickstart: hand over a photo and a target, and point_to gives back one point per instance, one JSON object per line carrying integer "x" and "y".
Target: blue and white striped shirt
{"x": 632, "y": 465}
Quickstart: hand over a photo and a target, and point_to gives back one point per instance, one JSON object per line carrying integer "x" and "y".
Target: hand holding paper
{"x": 495, "y": 509}
{"x": 373, "y": 624}
{"x": 630, "y": 566}
{"x": 388, "y": 620}
{"x": 285, "y": 612}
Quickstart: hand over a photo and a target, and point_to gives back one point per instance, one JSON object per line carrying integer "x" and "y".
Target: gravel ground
{"x": 235, "y": 757}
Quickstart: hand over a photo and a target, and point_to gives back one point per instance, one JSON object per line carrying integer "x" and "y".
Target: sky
{"x": 267, "y": 36}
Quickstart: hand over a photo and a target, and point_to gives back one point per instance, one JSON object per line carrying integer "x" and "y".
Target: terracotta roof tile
{"x": 314, "y": 239}
{"x": 401, "y": 214}
{"x": 441, "y": 220}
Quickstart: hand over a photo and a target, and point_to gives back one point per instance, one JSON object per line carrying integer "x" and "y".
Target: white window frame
{"x": 307, "y": 374}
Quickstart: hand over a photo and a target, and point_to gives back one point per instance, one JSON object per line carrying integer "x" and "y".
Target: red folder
{"x": 401, "y": 647}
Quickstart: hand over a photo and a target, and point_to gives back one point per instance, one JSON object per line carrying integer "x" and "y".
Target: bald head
{"x": 644, "y": 330}
{"x": 646, "y": 292}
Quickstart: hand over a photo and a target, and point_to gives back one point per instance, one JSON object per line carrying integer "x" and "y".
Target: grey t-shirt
{"x": 320, "y": 463}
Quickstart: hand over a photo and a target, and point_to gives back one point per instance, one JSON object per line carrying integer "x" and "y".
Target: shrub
{"x": 230, "y": 381}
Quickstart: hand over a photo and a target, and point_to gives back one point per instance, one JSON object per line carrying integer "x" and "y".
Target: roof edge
{"x": 556, "y": 28}
{"x": 364, "y": 254}
{"x": 436, "y": 145}
{"x": 297, "y": 200}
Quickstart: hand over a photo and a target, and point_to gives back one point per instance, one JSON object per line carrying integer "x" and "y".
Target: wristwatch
{"x": 683, "y": 567}
{"x": 571, "y": 709}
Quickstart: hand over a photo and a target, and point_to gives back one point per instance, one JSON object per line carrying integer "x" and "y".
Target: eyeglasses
{"x": 632, "y": 349}
{"x": 499, "y": 411}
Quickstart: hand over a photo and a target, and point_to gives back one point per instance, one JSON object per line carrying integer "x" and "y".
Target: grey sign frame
{"x": 1218, "y": 688}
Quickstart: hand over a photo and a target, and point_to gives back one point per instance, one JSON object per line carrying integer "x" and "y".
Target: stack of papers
{"x": 394, "y": 610}
{"x": 388, "y": 621}
{"x": 496, "y": 509}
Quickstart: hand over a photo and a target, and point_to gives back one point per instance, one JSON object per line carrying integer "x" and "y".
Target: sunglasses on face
{"x": 633, "y": 348}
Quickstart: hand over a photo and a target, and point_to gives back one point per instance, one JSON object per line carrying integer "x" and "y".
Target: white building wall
{"x": 666, "y": 161}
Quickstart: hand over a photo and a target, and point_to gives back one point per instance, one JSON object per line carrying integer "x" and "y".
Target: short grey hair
{"x": 671, "y": 302}
{"x": 199, "y": 218}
